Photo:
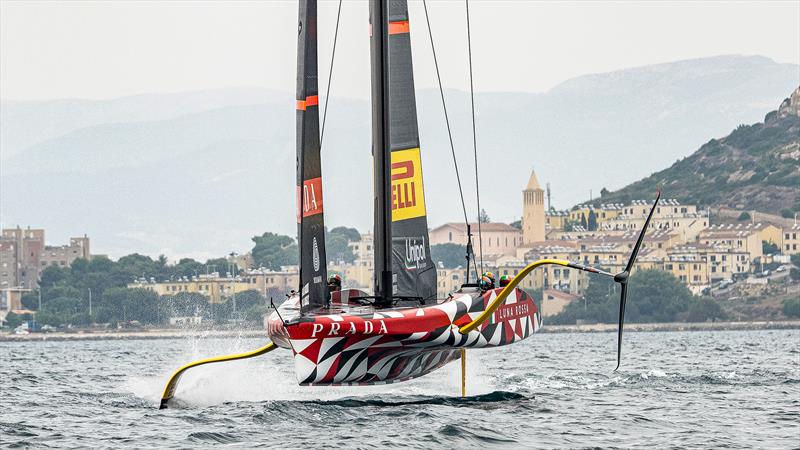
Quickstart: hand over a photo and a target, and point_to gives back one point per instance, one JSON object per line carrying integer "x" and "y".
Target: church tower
{"x": 533, "y": 211}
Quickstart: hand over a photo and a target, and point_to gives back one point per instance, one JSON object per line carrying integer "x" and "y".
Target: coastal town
{"x": 392, "y": 223}
{"x": 708, "y": 251}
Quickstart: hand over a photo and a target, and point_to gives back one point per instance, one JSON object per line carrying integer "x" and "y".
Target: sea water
{"x": 674, "y": 389}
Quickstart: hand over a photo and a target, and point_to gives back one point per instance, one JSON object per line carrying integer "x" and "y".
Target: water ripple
{"x": 683, "y": 389}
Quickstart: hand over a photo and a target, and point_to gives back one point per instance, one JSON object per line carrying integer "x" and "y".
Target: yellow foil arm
{"x": 172, "y": 384}
{"x": 501, "y": 298}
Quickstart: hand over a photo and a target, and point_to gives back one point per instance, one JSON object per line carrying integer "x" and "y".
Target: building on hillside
{"x": 555, "y": 220}
{"x": 8, "y": 263}
{"x": 605, "y": 212}
{"x": 771, "y": 234}
{"x": 497, "y": 238}
{"x": 11, "y": 301}
{"x": 553, "y": 301}
{"x": 220, "y": 289}
{"x": 699, "y": 265}
{"x": 658, "y": 241}
{"x": 24, "y": 254}
{"x": 533, "y": 217}
{"x": 242, "y": 262}
{"x": 65, "y": 255}
{"x": 363, "y": 249}
{"x": 273, "y": 282}
{"x": 611, "y": 254}
{"x": 579, "y": 233}
{"x": 742, "y": 237}
{"x": 690, "y": 268}
{"x": 791, "y": 240}
{"x": 612, "y": 251}
{"x": 766, "y": 232}
{"x": 567, "y": 250}
{"x": 649, "y": 259}
{"x": 359, "y": 274}
{"x": 557, "y": 277}
{"x": 21, "y": 249}
{"x": 449, "y": 280}
{"x": 668, "y": 215}
{"x": 512, "y": 268}
{"x": 216, "y": 288}
{"x": 666, "y": 208}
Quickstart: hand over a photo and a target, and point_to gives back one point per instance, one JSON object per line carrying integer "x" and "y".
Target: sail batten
{"x": 310, "y": 222}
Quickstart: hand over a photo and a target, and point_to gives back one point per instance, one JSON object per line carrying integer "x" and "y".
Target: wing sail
{"x": 412, "y": 266}
{"x": 310, "y": 221}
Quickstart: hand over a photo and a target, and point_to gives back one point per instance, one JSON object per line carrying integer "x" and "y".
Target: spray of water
{"x": 271, "y": 377}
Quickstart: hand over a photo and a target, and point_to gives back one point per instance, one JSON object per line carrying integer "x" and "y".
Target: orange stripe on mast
{"x": 399, "y": 27}
{"x": 311, "y": 100}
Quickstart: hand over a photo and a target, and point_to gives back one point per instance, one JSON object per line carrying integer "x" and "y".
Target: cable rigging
{"x": 330, "y": 74}
{"x": 474, "y": 136}
{"x": 452, "y": 147}
{"x": 470, "y": 250}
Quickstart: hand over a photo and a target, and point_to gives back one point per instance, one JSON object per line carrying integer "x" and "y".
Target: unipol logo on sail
{"x": 415, "y": 255}
{"x": 408, "y": 197}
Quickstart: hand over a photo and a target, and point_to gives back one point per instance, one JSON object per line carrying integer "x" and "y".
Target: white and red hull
{"x": 352, "y": 344}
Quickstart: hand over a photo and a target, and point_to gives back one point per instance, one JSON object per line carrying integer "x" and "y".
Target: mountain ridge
{"x": 755, "y": 167}
{"x": 575, "y": 142}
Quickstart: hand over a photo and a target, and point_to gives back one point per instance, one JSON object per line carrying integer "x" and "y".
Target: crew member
{"x": 335, "y": 283}
{"x": 505, "y": 279}
{"x": 487, "y": 281}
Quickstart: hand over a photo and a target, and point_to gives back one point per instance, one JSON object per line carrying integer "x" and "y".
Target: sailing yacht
{"x": 401, "y": 330}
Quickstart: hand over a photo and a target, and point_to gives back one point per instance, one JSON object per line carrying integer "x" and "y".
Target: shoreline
{"x": 105, "y": 335}
{"x": 673, "y": 326}
{"x": 102, "y": 335}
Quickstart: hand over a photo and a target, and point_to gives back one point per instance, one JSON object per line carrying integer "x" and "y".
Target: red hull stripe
{"x": 400, "y": 27}
{"x": 311, "y": 100}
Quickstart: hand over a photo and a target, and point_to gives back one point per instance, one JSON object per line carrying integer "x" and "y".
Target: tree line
{"x": 273, "y": 250}
{"x": 65, "y": 293}
{"x": 95, "y": 291}
{"x": 653, "y": 296}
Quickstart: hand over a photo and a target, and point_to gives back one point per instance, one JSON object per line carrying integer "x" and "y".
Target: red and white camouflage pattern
{"x": 354, "y": 344}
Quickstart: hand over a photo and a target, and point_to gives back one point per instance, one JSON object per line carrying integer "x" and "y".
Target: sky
{"x": 101, "y": 50}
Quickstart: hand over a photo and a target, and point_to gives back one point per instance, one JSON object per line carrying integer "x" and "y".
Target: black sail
{"x": 310, "y": 222}
{"x": 412, "y": 269}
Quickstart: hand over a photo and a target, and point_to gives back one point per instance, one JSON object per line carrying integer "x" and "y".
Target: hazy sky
{"x": 110, "y": 49}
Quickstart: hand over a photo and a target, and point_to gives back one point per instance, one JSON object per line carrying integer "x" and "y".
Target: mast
{"x": 381, "y": 152}
{"x": 310, "y": 222}
{"x": 403, "y": 266}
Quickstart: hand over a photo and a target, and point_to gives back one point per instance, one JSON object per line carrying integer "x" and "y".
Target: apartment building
{"x": 449, "y": 280}
{"x": 742, "y": 237}
{"x": 558, "y": 277}
{"x": 554, "y": 301}
{"x": 220, "y": 289}
{"x": 359, "y": 274}
{"x": 791, "y": 240}
{"x": 497, "y": 238}
{"x": 699, "y": 265}
{"x": 603, "y": 213}
{"x": 555, "y": 220}
{"x": 24, "y": 254}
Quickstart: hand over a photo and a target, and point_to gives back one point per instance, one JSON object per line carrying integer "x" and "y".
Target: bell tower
{"x": 533, "y": 211}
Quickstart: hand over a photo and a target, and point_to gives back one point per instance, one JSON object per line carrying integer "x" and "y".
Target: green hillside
{"x": 756, "y": 167}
